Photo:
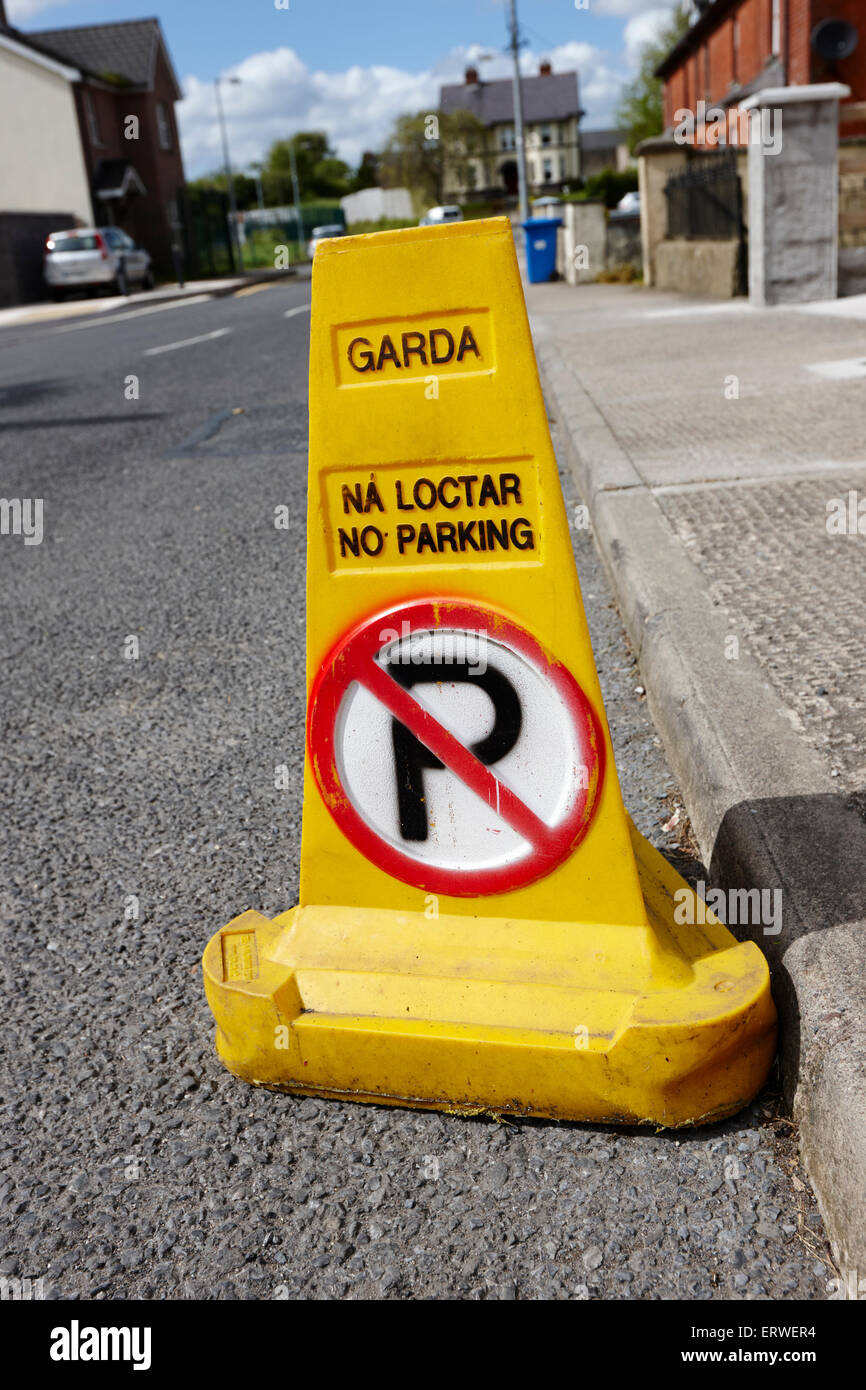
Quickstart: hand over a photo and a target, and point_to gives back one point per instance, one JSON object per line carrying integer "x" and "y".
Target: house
{"x": 737, "y": 47}
{"x": 603, "y": 149}
{"x": 43, "y": 176}
{"x": 125, "y": 91}
{"x": 551, "y": 113}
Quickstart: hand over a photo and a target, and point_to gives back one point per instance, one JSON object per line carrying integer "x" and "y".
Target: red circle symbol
{"x": 353, "y": 662}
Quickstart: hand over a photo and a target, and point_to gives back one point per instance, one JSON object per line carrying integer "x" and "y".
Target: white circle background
{"x": 543, "y": 768}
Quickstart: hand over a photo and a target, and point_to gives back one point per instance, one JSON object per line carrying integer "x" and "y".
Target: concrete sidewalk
{"x": 720, "y": 451}
{"x": 165, "y": 294}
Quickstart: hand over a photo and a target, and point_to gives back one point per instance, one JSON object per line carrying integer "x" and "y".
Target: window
{"x": 163, "y": 123}
{"x": 546, "y": 137}
{"x": 547, "y": 169}
{"x": 92, "y": 119}
{"x": 506, "y": 138}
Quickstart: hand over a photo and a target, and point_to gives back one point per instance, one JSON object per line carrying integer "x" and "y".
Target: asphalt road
{"x": 141, "y": 813}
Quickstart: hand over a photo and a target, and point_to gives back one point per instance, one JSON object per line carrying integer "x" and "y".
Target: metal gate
{"x": 705, "y": 201}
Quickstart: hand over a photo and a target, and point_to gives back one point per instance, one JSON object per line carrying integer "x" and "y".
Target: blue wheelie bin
{"x": 540, "y": 233}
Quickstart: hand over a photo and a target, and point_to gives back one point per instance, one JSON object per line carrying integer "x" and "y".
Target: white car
{"x": 439, "y": 217}
{"x": 629, "y": 202}
{"x": 322, "y": 233}
{"x": 92, "y": 258}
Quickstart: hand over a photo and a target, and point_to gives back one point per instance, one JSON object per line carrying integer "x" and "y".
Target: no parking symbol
{"x": 452, "y": 750}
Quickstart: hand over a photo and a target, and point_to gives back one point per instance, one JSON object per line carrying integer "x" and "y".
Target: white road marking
{"x": 299, "y": 309}
{"x": 187, "y": 342}
{"x": 134, "y": 313}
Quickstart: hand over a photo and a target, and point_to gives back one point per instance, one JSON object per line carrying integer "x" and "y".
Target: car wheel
{"x": 121, "y": 284}
{"x": 147, "y": 282}
{"x": 58, "y": 296}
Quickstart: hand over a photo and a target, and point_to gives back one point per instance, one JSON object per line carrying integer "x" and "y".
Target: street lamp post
{"x": 233, "y": 207}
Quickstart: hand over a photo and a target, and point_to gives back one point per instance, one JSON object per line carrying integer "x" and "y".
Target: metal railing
{"x": 705, "y": 199}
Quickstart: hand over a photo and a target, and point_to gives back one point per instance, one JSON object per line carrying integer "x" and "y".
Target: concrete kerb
{"x": 232, "y": 285}
{"x": 763, "y": 806}
{"x": 25, "y": 314}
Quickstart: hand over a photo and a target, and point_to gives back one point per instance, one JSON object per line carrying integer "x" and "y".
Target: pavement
{"x": 720, "y": 449}
{"x": 78, "y": 306}
{"x": 144, "y": 815}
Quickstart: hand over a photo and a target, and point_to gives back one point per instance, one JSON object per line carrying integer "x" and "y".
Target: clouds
{"x": 279, "y": 94}
{"x": 644, "y": 28}
{"x": 629, "y": 7}
{"x": 18, "y": 10}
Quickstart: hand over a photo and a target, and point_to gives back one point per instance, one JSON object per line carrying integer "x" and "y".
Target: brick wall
{"x": 145, "y": 217}
{"x": 797, "y": 51}
{"x": 161, "y": 171}
{"x": 721, "y": 53}
{"x": 741, "y": 44}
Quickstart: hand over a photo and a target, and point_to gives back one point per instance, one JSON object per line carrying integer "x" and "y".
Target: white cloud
{"x": 17, "y": 10}
{"x": 278, "y": 94}
{"x": 642, "y": 29}
{"x": 628, "y": 7}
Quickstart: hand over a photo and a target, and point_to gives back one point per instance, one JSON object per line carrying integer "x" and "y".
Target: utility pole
{"x": 233, "y": 206}
{"x": 518, "y": 115}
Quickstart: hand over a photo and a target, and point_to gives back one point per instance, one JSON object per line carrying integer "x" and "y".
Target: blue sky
{"x": 351, "y": 66}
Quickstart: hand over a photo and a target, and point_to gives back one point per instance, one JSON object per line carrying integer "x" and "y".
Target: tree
{"x": 640, "y": 109}
{"x": 367, "y": 174}
{"x": 422, "y": 147}
{"x": 610, "y": 185}
{"x": 320, "y": 173}
{"x": 246, "y": 194}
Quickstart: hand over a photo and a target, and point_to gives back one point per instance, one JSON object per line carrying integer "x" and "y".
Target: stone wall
{"x": 623, "y": 241}
{"x": 703, "y": 267}
{"x": 657, "y": 160}
{"x": 582, "y": 241}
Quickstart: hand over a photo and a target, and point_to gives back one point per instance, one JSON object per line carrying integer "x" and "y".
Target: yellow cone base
{"x": 670, "y": 1026}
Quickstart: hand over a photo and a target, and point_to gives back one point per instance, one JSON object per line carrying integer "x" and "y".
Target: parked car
{"x": 439, "y": 217}
{"x": 322, "y": 233}
{"x": 629, "y": 202}
{"x": 92, "y": 258}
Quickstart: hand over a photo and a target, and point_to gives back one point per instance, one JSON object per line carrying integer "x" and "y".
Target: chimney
{"x": 471, "y": 73}
{"x": 545, "y": 70}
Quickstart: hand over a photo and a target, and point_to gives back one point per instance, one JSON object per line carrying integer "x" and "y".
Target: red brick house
{"x": 125, "y": 105}
{"x": 736, "y": 47}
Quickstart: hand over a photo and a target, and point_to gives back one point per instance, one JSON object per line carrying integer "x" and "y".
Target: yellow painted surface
{"x": 577, "y": 995}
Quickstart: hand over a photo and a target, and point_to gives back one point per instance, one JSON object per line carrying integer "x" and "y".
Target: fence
{"x": 705, "y": 204}
{"x": 705, "y": 199}
{"x": 206, "y": 232}
{"x": 265, "y": 231}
